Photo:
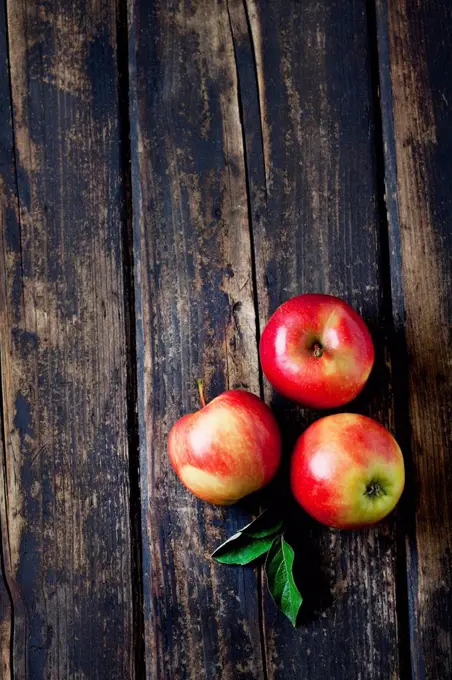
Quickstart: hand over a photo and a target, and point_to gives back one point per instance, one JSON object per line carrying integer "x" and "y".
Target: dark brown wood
{"x": 309, "y": 117}
{"x": 7, "y": 193}
{"x": 195, "y": 319}
{"x": 257, "y": 173}
{"x": 205, "y": 80}
{"x": 64, "y": 496}
{"x": 13, "y": 636}
{"x": 415, "y": 45}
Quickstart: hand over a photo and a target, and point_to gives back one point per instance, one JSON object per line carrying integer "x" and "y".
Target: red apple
{"x": 317, "y": 350}
{"x": 228, "y": 449}
{"x": 347, "y": 471}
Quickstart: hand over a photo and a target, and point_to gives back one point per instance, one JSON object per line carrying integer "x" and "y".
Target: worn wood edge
{"x": 398, "y": 308}
{"x": 13, "y": 633}
{"x": 13, "y": 620}
{"x": 258, "y": 210}
{"x": 7, "y": 588}
{"x": 137, "y": 239}
{"x": 241, "y": 30}
{"x": 16, "y": 637}
{"x": 394, "y": 195}
{"x": 390, "y": 238}
{"x": 124, "y": 89}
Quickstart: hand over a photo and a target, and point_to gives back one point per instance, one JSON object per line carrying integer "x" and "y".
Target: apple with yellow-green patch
{"x": 347, "y": 471}
{"x": 228, "y": 449}
{"x": 317, "y": 350}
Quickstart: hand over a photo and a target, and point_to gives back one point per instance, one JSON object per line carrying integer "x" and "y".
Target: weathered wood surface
{"x": 415, "y": 46}
{"x": 195, "y": 319}
{"x": 258, "y": 172}
{"x": 224, "y": 141}
{"x": 66, "y": 540}
{"x": 7, "y": 194}
{"x": 318, "y": 227}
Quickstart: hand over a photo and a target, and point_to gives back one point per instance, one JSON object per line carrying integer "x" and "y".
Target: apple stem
{"x": 317, "y": 350}
{"x": 201, "y": 392}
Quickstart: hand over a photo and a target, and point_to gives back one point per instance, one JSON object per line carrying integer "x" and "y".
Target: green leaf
{"x": 243, "y": 550}
{"x": 280, "y": 580}
{"x": 250, "y": 542}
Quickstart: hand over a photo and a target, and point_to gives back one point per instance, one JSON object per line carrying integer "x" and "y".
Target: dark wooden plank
{"x": 309, "y": 118}
{"x": 6, "y": 177}
{"x": 65, "y": 468}
{"x": 415, "y": 45}
{"x": 12, "y": 613}
{"x": 195, "y": 318}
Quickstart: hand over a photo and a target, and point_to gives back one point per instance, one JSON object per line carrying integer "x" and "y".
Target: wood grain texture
{"x": 195, "y": 318}
{"x": 7, "y": 196}
{"x": 416, "y": 95}
{"x": 255, "y": 149}
{"x": 64, "y": 494}
{"x": 317, "y": 227}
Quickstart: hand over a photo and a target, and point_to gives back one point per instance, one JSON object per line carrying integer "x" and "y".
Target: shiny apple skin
{"x": 287, "y": 351}
{"x": 335, "y": 464}
{"x": 228, "y": 449}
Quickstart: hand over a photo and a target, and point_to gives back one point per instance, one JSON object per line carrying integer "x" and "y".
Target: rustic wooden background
{"x": 170, "y": 172}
